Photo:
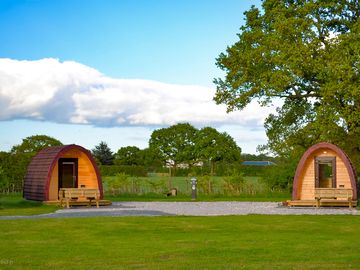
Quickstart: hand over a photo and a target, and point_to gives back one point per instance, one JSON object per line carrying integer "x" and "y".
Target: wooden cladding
{"x": 42, "y": 178}
{"x": 323, "y": 165}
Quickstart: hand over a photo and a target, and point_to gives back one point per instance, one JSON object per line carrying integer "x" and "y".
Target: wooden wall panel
{"x": 54, "y": 184}
{"x": 86, "y": 172}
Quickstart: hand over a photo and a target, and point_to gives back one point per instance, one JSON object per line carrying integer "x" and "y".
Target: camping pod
{"x": 67, "y": 166}
{"x": 324, "y": 167}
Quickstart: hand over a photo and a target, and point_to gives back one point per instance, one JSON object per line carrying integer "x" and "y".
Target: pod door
{"x": 68, "y": 173}
{"x": 325, "y": 172}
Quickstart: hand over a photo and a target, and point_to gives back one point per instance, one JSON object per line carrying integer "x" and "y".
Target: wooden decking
{"x": 324, "y": 202}
{"x": 81, "y": 203}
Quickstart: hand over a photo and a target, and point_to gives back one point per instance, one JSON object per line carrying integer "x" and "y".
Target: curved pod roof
{"x": 324, "y": 145}
{"x": 38, "y": 175}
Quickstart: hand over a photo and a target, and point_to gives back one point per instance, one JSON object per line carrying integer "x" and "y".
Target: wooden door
{"x": 68, "y": 173}
{"x": 325, "y": 172}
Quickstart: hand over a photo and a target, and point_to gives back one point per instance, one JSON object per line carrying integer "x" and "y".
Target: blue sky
{"x": 87, "y": 71}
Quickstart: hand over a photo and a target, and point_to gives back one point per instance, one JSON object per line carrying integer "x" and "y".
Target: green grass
{"x": 14, "y": 204}
{"x": 231, "y": 242}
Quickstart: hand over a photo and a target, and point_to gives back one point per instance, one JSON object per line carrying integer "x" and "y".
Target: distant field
{"x": 231, "y": 242}
{"x": 208, "y": 187}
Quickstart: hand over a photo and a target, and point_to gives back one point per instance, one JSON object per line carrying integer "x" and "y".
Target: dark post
{"x": 193, "y": 188}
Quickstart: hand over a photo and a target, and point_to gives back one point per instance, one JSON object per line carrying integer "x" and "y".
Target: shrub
{"x": 112, "y": 170}
{"x": 233, "y": 185}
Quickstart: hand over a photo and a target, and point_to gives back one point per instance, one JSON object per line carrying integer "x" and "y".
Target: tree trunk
{"x": 212, "y": 168}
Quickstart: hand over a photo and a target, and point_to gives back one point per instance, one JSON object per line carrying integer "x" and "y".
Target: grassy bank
{"x": 14, "y": 204}
{"x": 231, "y": 242}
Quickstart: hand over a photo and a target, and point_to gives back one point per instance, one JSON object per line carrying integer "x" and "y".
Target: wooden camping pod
{"x": 60, "y": 167}
{"x": 307, "y": 178}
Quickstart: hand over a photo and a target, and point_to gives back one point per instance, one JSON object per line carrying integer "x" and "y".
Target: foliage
{"x": 103, "y": 154}
{"x": 304, "y": 55}
{"x": 129, "y": 155}
{"x": 281, "y": 176}
{"x": 233, "y": 187}
{"x": 234, "y": 184}
{"x": 33, "y": 144}
{"x": 151, "y": 160}
{"x": 213, "y": 146}
{"x": 259, "y": 157}
{"x": 205, "y": 184}
{"x": 174, "y": 145}
{"x": 14, "y": 164}
{"x": 118, "y": 184}
{"x": 182, "y": 144}
{"x": 111, "y": 170}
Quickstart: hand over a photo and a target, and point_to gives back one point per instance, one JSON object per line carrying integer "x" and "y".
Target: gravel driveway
{"x": 191, "y": 209}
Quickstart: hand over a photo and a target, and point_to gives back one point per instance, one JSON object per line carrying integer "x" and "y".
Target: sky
{"x": 85, "y": 71}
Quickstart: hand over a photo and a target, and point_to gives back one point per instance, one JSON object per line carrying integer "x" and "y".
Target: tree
{"x": 174, "y": 145}
{"x": 129, "y": 155}
{"x": 13, "y": 164}
{"x": 33, "y": 144}
{"x": 305, "y": 54}
{"x": 151, "y": 159}
{"x": 213, "y": 146}
{"x": 103, "y": 154}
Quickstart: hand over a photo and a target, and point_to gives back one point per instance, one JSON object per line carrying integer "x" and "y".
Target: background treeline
{"x": 176, "y": 151}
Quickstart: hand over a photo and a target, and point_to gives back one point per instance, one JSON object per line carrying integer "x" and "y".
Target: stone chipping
{"x": 192, "y": 209}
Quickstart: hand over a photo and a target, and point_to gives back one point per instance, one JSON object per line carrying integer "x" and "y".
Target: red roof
{"x": 38, "y": 175}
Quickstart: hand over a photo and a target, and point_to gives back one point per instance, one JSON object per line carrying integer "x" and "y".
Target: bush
{"x": 281, "y": 176}
{"x": 233, "y": 185}
{"x": 205, "y": 184}
{"x": 112, "y": 170}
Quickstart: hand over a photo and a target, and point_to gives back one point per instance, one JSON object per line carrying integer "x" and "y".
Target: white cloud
{"x": 69, "y": 92}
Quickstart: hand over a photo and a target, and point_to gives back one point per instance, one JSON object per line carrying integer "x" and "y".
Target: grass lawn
{"x": 14, "y": 204}
{"x": 230, "y": 242}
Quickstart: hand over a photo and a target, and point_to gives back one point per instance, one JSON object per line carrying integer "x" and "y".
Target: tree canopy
{"x": 103, "y": 153}
{"x": 174, "y": 144}
{"x": 184, "y": 144}
{"x": 304, "y": 55}
{"x": 213, "y": 146}
{"x": 129, "y": 155}
{"x": 33, "y": 144}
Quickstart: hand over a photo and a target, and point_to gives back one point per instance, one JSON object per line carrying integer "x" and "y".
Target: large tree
{"x": 213, "y": 146}
{"x": 305, "y": 56}
{"x": 129, "y": 155}
{"x": 174, "y": 145}
{"x": 33, "y": 144}
{"x": 13, "y": 165}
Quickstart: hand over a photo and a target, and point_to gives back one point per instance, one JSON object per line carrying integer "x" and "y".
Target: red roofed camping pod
{"x": 67, "y": 166}
{"x": 324, "y": 169}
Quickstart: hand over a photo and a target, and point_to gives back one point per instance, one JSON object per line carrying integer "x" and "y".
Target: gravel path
{"x": 190, "y": 209}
